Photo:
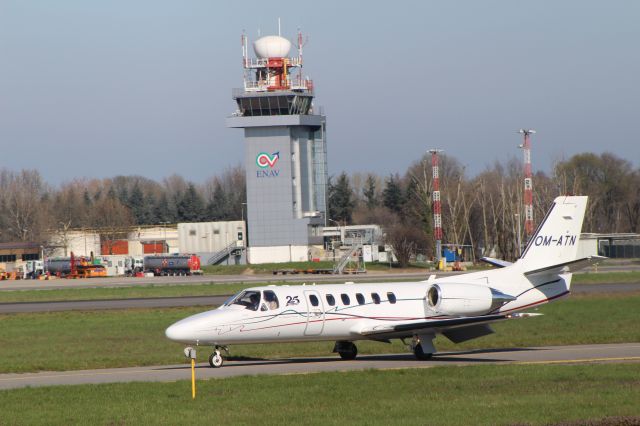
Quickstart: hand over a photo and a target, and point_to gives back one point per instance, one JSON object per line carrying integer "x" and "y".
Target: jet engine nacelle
{"x": 461, "y": 299}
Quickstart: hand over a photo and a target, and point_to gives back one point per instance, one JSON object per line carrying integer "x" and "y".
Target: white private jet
{"x": 459, "y": 307}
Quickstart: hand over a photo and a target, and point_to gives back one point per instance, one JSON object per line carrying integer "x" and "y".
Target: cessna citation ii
{"x": 459, "y": 307}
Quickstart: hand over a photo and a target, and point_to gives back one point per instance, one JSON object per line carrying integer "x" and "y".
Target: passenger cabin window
{"x": 270, "y": 299}
{"x": 331, "y": 300}
{"x": 376, "y": 298}
{"x": 345, "y": 299}
{"x": 314, "y": 300}
{"x": 249, "y": 299}
{"x": 391, "y": 297}
{"x": 360, "y": 298}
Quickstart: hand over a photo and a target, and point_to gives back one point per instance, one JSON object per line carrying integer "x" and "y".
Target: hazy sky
{"x": 100, "y": 88}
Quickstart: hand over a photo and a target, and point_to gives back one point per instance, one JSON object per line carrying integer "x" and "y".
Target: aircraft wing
{"x": 573, "y": 266}
{"x": 457, "y": 329}
{"x": 498, "y": 263}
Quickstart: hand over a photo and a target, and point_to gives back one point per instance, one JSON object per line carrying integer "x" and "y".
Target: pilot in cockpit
{"x": 254, "y": 298}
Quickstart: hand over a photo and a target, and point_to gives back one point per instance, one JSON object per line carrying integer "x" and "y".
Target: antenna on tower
{"x": 279, "y": 33}
{"x": 528, "y": 181}
{"x": 437, "y": 206}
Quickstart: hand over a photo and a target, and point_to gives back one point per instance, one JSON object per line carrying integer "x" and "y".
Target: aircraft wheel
{"x": 420, "y": 355}
{"x": 215, "y": 359}
{"x": 348, "y": 351}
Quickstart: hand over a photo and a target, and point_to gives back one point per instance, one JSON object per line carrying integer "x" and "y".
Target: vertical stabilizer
{"x": 556, "y": 240}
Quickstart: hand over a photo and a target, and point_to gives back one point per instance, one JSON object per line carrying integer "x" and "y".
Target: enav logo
{"x": 264, "y": 160}
{"x": 267, "y": 162}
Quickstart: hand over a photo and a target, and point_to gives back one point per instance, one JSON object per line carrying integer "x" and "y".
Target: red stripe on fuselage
{"x": 536, "y": 303}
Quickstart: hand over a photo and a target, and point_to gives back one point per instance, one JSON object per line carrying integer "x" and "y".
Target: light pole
{"x": 519, "y": 237}
{"x": 333, "y": 247}
{"x": 164, "y": 243}
{"x": 528, "y": 181}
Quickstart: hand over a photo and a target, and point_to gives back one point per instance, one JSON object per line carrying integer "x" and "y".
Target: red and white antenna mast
{"x": 437, "y": 206}
{"x": 528, "y": 181}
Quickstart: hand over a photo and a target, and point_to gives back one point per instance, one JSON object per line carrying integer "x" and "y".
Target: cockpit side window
{"x": 271, "y": 299}
{"x": 250, "y": 299}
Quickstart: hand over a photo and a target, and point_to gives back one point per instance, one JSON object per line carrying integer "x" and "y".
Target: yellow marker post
{"x": 190, "y": 353}
{"x": 193, "y": 378}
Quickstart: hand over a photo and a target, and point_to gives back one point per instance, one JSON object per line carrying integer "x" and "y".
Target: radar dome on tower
{"x": 272, "y": 47}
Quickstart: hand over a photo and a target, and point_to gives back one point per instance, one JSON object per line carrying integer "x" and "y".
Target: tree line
{"x": 479, "y": 211}
{"x": 30, "y": 209}
{"x": 485, "y": 211}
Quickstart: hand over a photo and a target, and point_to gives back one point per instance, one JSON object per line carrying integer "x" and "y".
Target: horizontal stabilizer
{"x": 567, "y": 267}
{"x": 498, "y": 263}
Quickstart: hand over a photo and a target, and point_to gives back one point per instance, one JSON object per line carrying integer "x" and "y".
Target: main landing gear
{"x": 422, "y": 347}
{"x": 347, "y": 350}
{"x": 215, "y": 359}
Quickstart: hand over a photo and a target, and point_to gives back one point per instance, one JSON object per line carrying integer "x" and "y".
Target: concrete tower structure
{"x": 285, "y": 153}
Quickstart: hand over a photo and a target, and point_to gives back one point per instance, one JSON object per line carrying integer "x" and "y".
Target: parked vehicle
{"x": 188, "y": 264}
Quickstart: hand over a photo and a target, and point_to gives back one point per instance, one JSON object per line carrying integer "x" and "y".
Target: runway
{"x": 626, "y": 352}
{"x": 211, "y": 301}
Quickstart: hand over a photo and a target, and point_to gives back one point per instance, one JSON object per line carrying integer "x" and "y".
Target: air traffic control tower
{"x": 285, "y": 153}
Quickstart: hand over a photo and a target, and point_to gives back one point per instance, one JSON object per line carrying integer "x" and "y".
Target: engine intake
{"x": 461, "y": 299}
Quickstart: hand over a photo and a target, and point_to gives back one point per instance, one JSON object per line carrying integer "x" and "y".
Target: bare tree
{"x": 112, "y": 220}
{"x": 23, "y": 198}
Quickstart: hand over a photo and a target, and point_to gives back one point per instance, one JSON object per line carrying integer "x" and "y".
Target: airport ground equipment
{"x": 188, "y": 264}
{"x": 74, "y": 267}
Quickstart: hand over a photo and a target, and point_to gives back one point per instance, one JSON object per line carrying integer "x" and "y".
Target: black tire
{"x": 216, "y": 360}
{"x": 420, "y": 355}
{"x": 349, "y": 352}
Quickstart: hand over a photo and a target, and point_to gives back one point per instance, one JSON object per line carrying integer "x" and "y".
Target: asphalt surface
{"x": 626, "y": 352}
{"x": 251, "y": 279}
{"x": 91, "y": 305}
{"x": 211, "y": 301}
{"x": 114, "y": 282}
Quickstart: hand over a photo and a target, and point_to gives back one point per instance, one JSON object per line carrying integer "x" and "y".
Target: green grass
{"x": 607, "y": 277}
{"x": 119, "y": 338}
{"x": 103, "y": 293}
{"x": 212, "y": 289}
{"x": 479, "y": 395}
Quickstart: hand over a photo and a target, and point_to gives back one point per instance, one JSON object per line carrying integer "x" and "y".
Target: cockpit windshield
{"x": 250, "y": 299}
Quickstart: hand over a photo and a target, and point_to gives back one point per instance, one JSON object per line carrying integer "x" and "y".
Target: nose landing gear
{"x": 215, "y": 359}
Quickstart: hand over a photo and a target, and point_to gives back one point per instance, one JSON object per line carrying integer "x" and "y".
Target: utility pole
{"x": 528, "y": 181}
{"x": 437, "y": 206}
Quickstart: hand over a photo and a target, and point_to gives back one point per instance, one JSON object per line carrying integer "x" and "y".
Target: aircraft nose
{"x": 179, "y": 332}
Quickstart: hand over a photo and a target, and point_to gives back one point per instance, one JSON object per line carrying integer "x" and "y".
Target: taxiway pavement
{"x": 114, "y": 282}
{"x": 250, "y": 279}
{"x": 625, "y": 352}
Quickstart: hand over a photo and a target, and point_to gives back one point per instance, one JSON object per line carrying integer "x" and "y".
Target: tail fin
{"x": 555, "y": 242}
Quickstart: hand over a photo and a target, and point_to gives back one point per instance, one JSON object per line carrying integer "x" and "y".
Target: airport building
{"x": 285, "y": 153}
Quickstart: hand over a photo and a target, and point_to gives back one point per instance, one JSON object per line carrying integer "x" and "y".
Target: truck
{"x": 74, "y": 267}
{"x": 186, "y": 264}
{"x": 32, "y": 269}
{"x": 121, "y": 265}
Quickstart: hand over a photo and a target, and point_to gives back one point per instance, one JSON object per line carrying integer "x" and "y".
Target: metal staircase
{"x": 347, "y": 258}
{"x": 222, "y": 254}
